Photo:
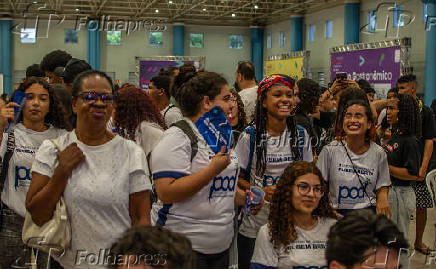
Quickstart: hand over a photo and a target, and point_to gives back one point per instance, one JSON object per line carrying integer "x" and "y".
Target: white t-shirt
{"x": 206, "y": 218}
{"x": 97, "y": 193}
{"x": 345, "y": 189}
{"x": 307, "y": 251}
{"x": 148, "y": 135}
{"x": 279, "y": 156}
{"x": 249, "y": 98}
{"x": 18, "y": 179}
{"x": 171, "y": 114}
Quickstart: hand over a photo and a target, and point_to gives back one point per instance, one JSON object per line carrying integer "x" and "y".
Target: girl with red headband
{"x": 266, "y": 148}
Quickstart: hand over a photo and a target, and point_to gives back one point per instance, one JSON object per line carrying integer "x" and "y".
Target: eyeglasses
{"x": 92, "y": 97}
{"x": 229, "y": 98}
{"x": 304, "y": 189}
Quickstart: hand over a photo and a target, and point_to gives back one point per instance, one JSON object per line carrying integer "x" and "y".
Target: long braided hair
{"x": 260, "y": 121}
{"x": 409, "y": 117}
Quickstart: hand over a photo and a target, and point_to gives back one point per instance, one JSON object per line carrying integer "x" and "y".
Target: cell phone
{"x": 18, "y": 99}
{"x": 341, "y": 75}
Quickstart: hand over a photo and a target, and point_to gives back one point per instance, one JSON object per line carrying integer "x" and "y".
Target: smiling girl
{"x": 299, "y": 222}
{"x": 266, "y": 148}
{"x": 355, "y": 167}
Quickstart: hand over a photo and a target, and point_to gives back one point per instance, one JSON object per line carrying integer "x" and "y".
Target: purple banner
{"x": 380, "y": 67}
{"x": 150, "y": 68}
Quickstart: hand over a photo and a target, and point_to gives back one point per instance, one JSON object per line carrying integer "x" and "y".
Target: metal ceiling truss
{"x": 207, "y": 12}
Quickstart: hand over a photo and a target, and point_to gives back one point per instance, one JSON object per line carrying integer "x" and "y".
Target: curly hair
{"x": 156, "y": 242}
{"x": 260, "y": 122}
{"x": 56, "y": 116}
{"x": 132, "y": 107}
{"x": 409, "y": 117}
{"x": 281, "y": 220}
{"x": 186, "y": 71}
{"x": 56, "y": 58}
{"x": 242, "y": 117}
{"x": 309, "y": 93}
{"x": 190, "y": 94}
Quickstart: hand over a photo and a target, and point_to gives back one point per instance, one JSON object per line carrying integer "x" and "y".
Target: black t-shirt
{"x": 404, "y": 151}
{"x": 428, "y": 124}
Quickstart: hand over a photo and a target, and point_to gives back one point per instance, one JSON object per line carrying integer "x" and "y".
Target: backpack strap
{"x": 186, "y": 128}
{"x": 153, "y": 194}
{"x": 301, "y": 139}
{"x": 168, "y": 109}
{"x": 5, "y": 163}
{"x": 251, "y": 131}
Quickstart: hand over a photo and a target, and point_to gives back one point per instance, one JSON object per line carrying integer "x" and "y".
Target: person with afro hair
{"x": 56, "y": 58}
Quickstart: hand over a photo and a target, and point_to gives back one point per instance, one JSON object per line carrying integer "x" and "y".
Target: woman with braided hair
{"x": 404, "y": 158}
{"x": 298, "y": 223}
{"x": 266, "y": 148}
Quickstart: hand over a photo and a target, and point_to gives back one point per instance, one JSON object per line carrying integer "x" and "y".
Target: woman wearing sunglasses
{"x": 102, "y": 177}
{"x": 41, "y": 118}
{"x": 298, "y": 224}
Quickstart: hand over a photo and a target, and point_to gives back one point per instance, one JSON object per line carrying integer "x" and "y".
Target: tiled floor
{"x": 420, "y": 261}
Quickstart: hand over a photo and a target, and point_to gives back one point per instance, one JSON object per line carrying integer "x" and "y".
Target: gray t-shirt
{"x": 345, "y": 190}
{"x": 97, "y": 194}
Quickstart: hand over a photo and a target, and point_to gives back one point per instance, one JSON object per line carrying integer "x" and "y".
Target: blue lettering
{"x": 351, "y": 193}
{"x": 21, "y": 173}
{"x": 223, "y": 184}
{"x": 269, "y": 180}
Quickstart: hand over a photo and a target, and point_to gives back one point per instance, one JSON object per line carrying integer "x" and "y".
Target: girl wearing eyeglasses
{"x": 299, "y": 222}
{"x": 102, "y": 177}
{"x": 355, "y": 167}
{"x": 41, "y": 118}
{"x": 265, "y": 149}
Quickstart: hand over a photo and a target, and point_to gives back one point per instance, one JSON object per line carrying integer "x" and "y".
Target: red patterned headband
{"x": 271, "y": 80}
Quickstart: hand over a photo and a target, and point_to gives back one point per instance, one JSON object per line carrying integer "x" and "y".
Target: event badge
{"x": 215, "y": 129}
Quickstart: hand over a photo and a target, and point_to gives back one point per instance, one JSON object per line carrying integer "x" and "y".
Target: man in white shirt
{"x": 246, "y": 81}
{"x": 159, "y": 90}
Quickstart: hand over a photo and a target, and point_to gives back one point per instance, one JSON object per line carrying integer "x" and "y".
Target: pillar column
{"x": 6, "y": 53}
{"x": 256, "y": 39}
{"x": 179, "y": 39}
{"x": 430, "y": 53}
{"x": 296, "y": 33}
{"x": 351, "y": 22}
{"x": 94, "y": 45}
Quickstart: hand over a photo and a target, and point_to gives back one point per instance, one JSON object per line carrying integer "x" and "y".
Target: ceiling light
{"x": 77, "y": 9}
{"x": 256, "y": 7}
{"x": 170, "y": 2}
{"x": 157, "y": 11}
{"x": 233, "y": 15}
{"x": 204, "y": 9}
{"x": 35, "y": 2}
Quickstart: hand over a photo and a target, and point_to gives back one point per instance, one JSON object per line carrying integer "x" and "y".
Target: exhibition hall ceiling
{"x": 200, "y": 12}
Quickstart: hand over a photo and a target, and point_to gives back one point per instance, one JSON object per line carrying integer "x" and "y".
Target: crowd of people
{"x": 157, "y": 178}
